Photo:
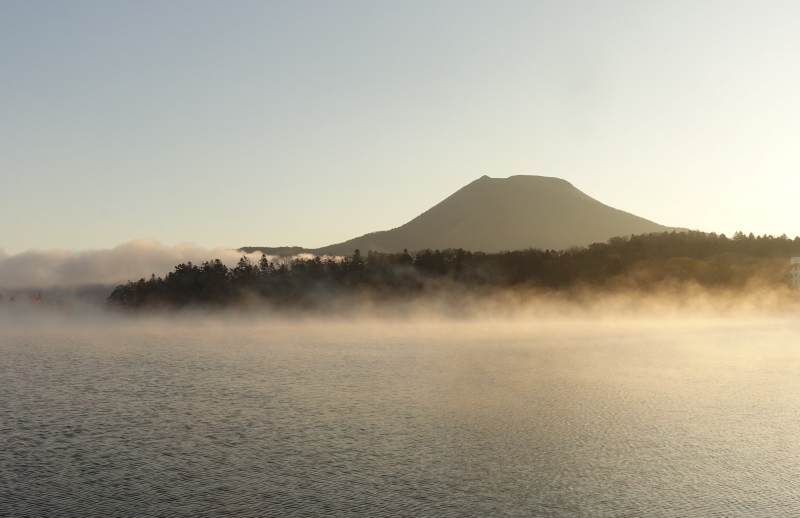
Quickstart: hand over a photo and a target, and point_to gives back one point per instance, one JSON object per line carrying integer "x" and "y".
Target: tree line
{"x": 639, "y": 262}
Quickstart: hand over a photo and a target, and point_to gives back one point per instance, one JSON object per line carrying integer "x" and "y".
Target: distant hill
{"x": 494, "y": 214}
{"x": 277, "y": 250}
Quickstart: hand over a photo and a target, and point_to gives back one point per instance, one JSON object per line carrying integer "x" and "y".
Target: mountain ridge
{"x": 494, "y": 214}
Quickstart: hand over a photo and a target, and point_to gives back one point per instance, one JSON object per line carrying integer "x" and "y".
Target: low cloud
{"x": 46, "y": 269}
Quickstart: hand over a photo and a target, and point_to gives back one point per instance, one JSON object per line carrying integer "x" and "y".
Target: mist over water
{"x": 247, "y": 416}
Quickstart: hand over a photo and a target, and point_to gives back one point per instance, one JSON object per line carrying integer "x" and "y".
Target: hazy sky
{"x": 307, "y": 123}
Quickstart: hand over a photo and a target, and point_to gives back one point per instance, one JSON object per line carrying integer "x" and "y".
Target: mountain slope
{"x": 493, "y": 214}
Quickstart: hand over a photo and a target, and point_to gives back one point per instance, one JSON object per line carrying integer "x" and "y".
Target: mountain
{"x": 494, "y": 214}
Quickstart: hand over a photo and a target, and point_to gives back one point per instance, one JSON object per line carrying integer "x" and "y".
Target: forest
{"x": 642, "y": 262}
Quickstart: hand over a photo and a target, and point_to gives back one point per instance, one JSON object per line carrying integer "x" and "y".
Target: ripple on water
{"x": 464, "y": 421}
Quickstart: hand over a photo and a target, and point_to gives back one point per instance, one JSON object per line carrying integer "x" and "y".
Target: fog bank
{"x": 48, "y": 269}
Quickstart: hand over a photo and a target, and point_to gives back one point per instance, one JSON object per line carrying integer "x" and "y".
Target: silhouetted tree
{"x": 639, "y": 261}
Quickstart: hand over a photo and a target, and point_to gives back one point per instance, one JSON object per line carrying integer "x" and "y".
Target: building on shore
{"x": 794, "y": 272}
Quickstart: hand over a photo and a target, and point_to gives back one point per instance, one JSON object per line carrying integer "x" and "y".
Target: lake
{"x": 204, "y": 417}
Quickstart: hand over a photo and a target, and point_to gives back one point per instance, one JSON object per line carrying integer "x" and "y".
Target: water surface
{"x": 661, "y": 418}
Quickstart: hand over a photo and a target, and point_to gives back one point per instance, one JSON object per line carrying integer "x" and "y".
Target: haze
{"x": 235, "y": 123}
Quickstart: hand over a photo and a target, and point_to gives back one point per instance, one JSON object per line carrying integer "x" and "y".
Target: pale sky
{"x": 308, "y": 123}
